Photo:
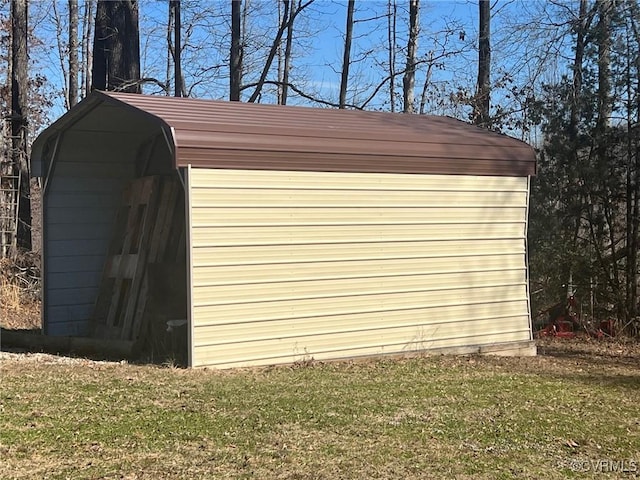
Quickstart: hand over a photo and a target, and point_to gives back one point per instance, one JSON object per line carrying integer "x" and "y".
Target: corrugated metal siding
{"x": 293, "y": 265}
{"x": 80, "y": 203}
{"x": 234, "y": 135}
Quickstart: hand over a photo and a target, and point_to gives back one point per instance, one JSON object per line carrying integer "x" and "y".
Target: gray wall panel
{"x": 73, "y": 263}
{"x": 88, "y": 199}
{"x": 76, "y": 279}
{"x": 74, "y": 313}
{"x": 80, "y": 205}
{"x": 75, "y": 185}
{"x": 90, "y": 231}
{"x": 63, "y": 248}
{"x": 103, "y": 170}
{"x": 71, "y": 296}
{"x": 80, "y": 214}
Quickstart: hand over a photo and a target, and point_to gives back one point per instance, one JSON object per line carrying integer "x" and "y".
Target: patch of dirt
{"x": 16, "y": 355}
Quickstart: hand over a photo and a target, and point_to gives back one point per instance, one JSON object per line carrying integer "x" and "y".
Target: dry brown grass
{"x": 9, "y": 296}
{"x": 20, "y": 278}
{"x": 20, "y": 293}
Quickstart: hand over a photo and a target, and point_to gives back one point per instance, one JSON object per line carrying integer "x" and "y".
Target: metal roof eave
{"x": 279, "y": 134}
{"x": 200, "y": 127}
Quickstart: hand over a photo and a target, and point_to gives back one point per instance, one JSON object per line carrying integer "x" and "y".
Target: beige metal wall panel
{"x": 247, "y": 197}
{"x": 437, "y": 320}
{"x": 212, "y": 178}
{"x": 290, "y": 265}
{"x": 258, "y": 292}
{"x": 367, "y": 332}
{"x": 247, "y": 255}
{"x": 285, "y": 271}
{"x": 272, "y": 310}
{"x": 270, "y": 353}
{"x": 434, "y": 318}
{"x": 206, "y": 235}
{"x": 352, "y": 216}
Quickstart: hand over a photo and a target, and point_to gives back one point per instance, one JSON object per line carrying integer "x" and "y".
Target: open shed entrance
{"x": 142, "y": 298}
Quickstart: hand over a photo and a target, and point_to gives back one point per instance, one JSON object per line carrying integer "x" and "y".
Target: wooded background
{"x": 561, "y": 75}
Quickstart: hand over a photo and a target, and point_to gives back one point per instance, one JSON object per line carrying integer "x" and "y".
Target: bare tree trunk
{"x": 19, "y": 105}
{"x": 284, "y": 57}
{"x": 63, "y": 46}
{"x": 170, "y": 50}
{"x": 177, "y": 49}
{"x": 604, "y": 60}
{"x": 116, "y": 48}
{"x": 409, "y": 79}
{"x": 570, "y": 170}
{"x": 581, "y": 29}
{"x": 235, "y": 62}
{"x": 287, "y": 58}
{"x": 633, "y": 152}
{"x": 632, "y": 189}
{"x": 346, "y": 58}
{"x": 392, "y": 10}
{"x": 603, "y": 40}
{"x": 427, "y": 83}
{"x": 290, "y": 16}
{"x": 87, "y": 57}
{"x": 73, "y": 52}
{"x": 482, "y": 100}
{"x": 280, "y": 55}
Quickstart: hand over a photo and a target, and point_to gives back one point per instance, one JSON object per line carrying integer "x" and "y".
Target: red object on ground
{"x": 562, "y": 321}
{"x": 558, "y": 328}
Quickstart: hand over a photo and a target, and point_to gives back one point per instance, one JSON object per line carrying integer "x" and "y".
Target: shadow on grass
{"x": 617, "y": 381}
{"x": 32, "y": 341}
{"x": 596, "y": 360}
{"x": 608, "y": 362}
{"x": 593, "y": 352}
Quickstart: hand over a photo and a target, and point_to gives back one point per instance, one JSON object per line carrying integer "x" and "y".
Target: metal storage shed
{"x": 306, "y": 233}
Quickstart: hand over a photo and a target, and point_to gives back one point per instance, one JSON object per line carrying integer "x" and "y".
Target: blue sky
{"x": 324, "y": 20}
{"x": 319, "y": 47}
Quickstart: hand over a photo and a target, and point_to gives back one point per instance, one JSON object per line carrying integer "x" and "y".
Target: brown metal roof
{"x": 218, "y": 134}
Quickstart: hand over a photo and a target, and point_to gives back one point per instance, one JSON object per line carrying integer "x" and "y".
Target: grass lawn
{"x": 571, "y": 412}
